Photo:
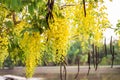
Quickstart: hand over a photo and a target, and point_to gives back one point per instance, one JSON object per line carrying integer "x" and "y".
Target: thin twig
{"x": 84, "y": 8}
{"x": 113, "y": 57}
{"x": 96, "y": 53}
{"x": 78, "y": 67}
{"x": 67, "y": 5}
{"x": 65, "y": 71}
{"x": 93, "y": 55}
{"x": 89, "y": 63}
{"x": 98, "y": 56}
{"x": 111, "y": 51}
{"x": 111, "y": 45}
{"x": 61, "y": 71}
{"x": 105, "y": 47}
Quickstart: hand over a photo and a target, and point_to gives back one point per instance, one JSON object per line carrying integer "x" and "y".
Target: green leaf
{"x": 20, "y": 4}
{"x": 30, "y": 30}
{"x": 7, "y": 3}
{"x": 31, "y": 9}
{"x": 9, "y": 24}
{"x": 14, "y": 5}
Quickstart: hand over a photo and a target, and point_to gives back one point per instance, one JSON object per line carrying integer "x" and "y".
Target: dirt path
{"x": 55, "y": 69}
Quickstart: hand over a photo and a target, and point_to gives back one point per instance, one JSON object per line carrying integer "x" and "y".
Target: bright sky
{"x": 113, "y": 10}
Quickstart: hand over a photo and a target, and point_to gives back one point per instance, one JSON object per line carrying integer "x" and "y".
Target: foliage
{"x": 92, "y": 26}
{"x": 31, "y": 29}
{"x": 118, "y": 27}
{"x": 74, "y": 51}
{"x": 117, "y": 52}
{"x": 106, "y": 60}
{"x": 58, "y": 36}
{"x": 31, "y": 44}
{"x": 3, "y": 47}
{"x": 3, "y": 36}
